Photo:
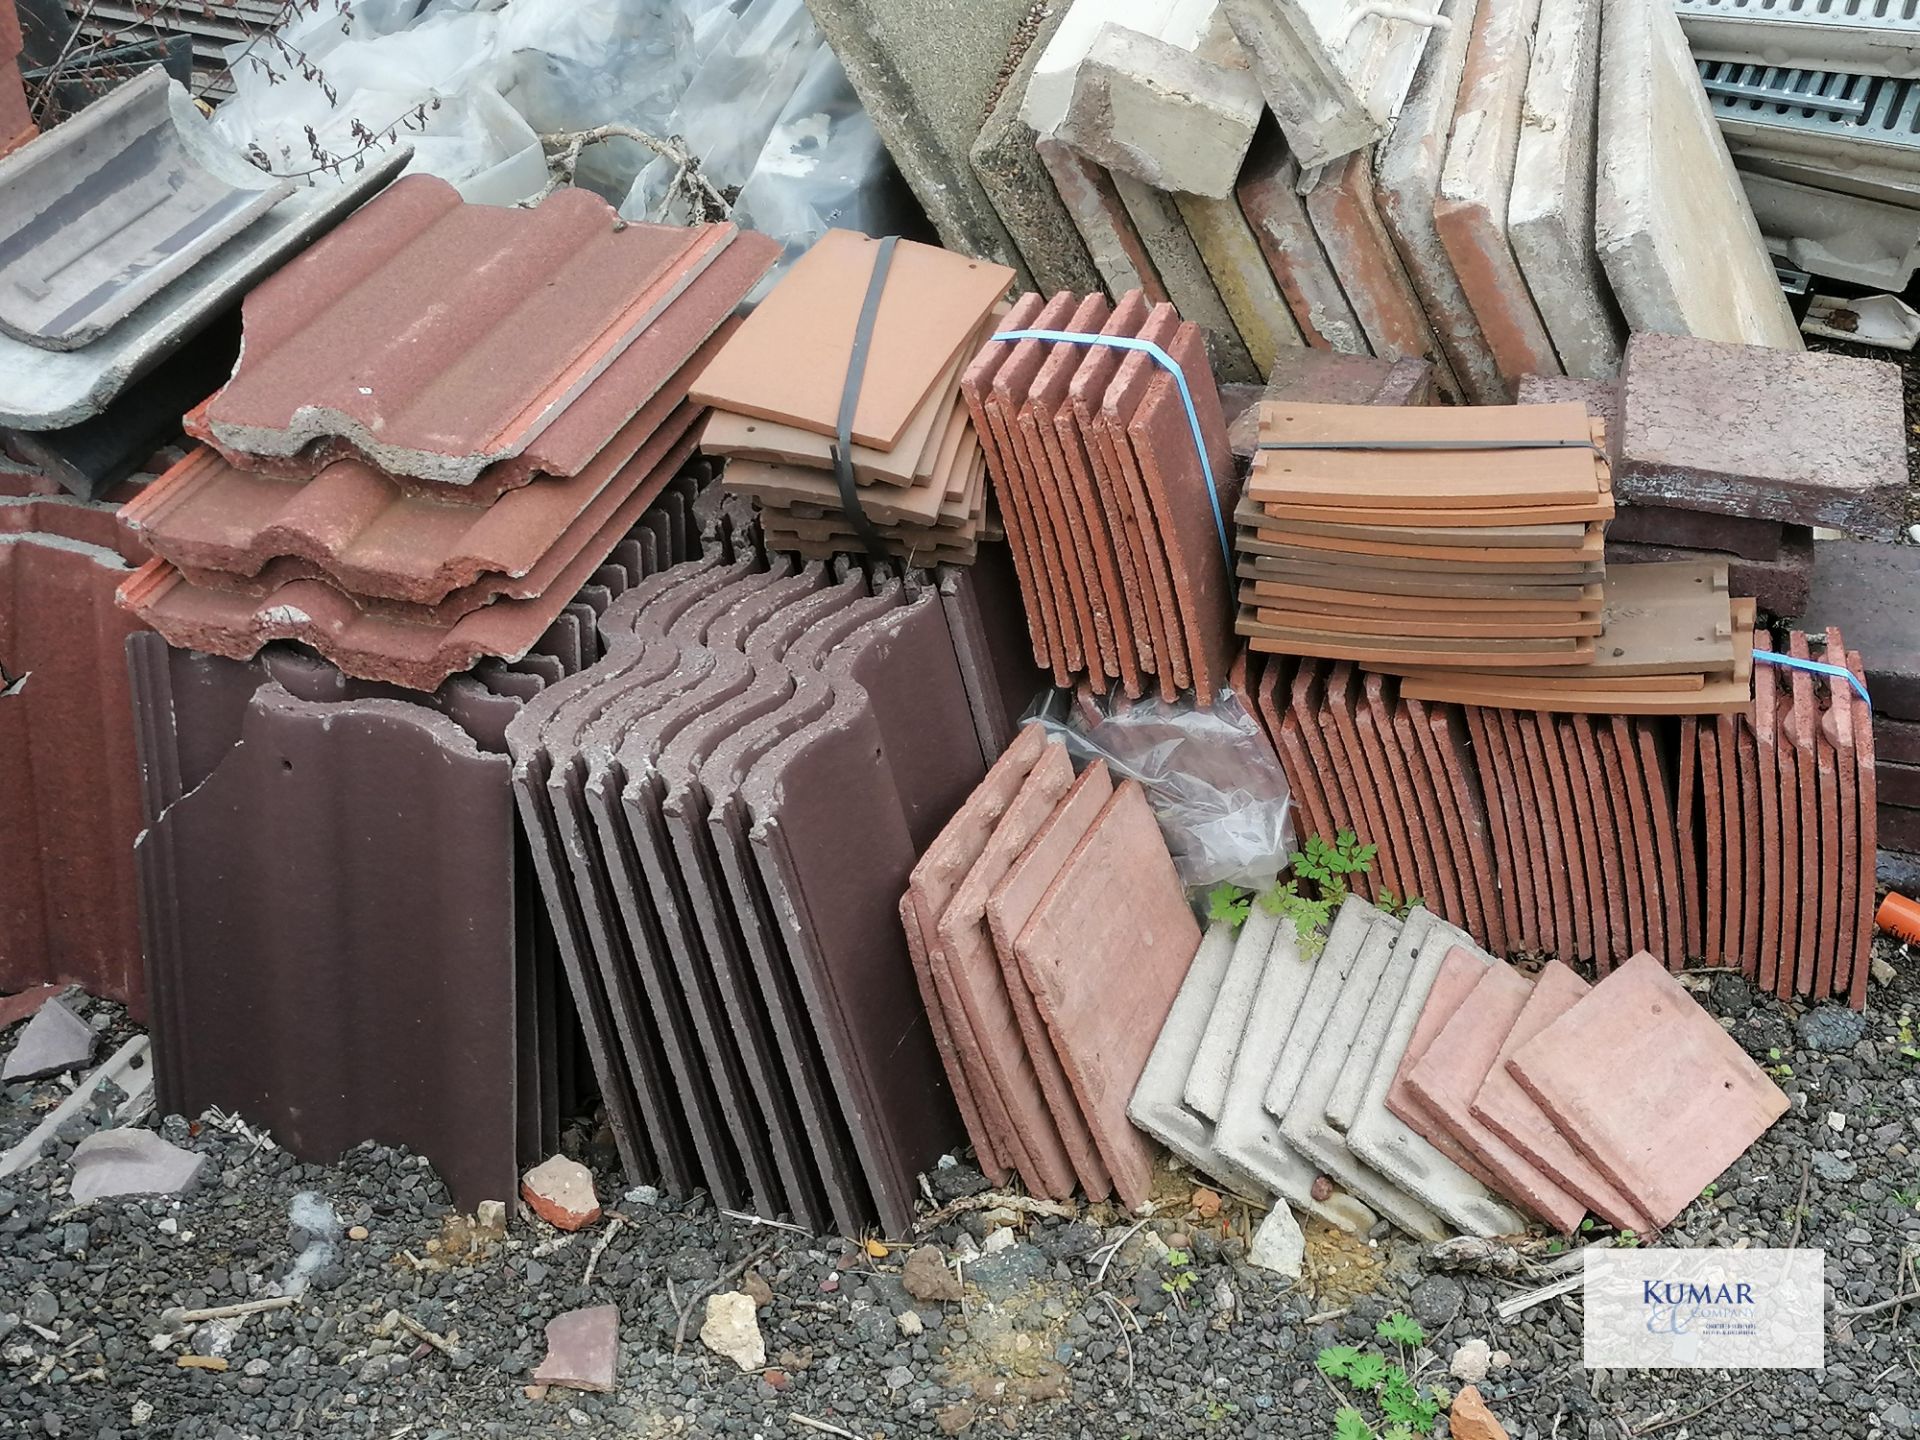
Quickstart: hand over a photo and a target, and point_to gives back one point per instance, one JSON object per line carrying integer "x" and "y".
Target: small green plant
{"x": 1397, "y": 907}
{"x": 1228, "y": 904}
{"x": 1907, "y": 1198}
{"x": 1627, "y": 1240}
{"x": 1406, "y": 1409}
{"x": 1322, "y": 876}
{"x": 1712, "y": 1189}
{"x": 1909, "y": 1045}
{"x": 1178, "y": 1283}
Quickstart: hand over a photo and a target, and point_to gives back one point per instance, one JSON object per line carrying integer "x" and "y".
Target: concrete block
{"x": 1870, "y": 593}
{"x": 1159, "y": 1106}
{"x": 1476, "y": 184}
{"x": 1550, "y": 214}
{"x": 1378, "y": 1136}
{"x": 1673, "y": 227}
{"x": 926, "y": 71}
{"x": 1451, "y": 1073}
{"x": 1854, "y": 238}
{"x": 1161, "y": 114}
{"x": 53, "y": 1042}
{"x": 1601, "y": 397}
{"x": 1007, "y": 163}
{"x": 111, "y": 1163}
{"x": 1101, "y": 220}
{"x": 1212, "y": 1068}
{"x": 1816, "y": 439}
{"x": 1270, "y": 200}
{"x": 1303, "y": 1118}
{"x": 1188, "y": 283}
{"x": 1406, "y": 180}
{"x": 1049, "y": 91}
{"x": 1240, "y": 273}
{"x": 1347, "y": 221}
{"x": 1334, "y": 74}
{"x": 1248, "y": 1136}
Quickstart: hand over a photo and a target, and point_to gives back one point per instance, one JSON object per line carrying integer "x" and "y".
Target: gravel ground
{"x": 1053, "y": 1338}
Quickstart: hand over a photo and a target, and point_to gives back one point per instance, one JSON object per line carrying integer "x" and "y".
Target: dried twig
{"x": 747, "y": 1219}
{"x": 420, "y": 1332}
{"x": 1125, "y": 1339}
{"x": 1519, "y": 1304}
{"x": 177, "y": 1318}
{"x": 1855, "y": 1311}
{"x": 1116, "y": 1247}
{"x": 563, "y": 154}
{"x": 599, "y": 1248}
{"x": 1800, "y": 1207}
{"x": 820, "y": 1425}
{"x": 1697, "y": 1410}
{"x": 996, "y": 1200}
{"x": 724, "y": 1278}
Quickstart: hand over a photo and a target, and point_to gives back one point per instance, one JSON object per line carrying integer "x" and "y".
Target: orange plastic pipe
{"x": 1899, "y": 916}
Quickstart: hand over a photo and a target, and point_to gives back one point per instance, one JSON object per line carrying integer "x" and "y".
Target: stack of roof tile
{"x": 777, "y": 393}
{"x": 1392, "y": 1069}
{"x": 1743, "y": 838}
{"x": 1468, "y": 538}
{"x": 1114, "y": 508}
{"x": 410, "y": 509}
{"x": 723, "y": 812}
{"x": 337, "y": 993}
{"x": 1522, "y": 1079}
{"x": 1049, "y": 934}
{"x": 127, "y": 230}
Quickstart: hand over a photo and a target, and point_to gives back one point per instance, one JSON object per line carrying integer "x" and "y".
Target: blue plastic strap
{"x": 1818, "y": 667}
{"x": 1167, "y": 363}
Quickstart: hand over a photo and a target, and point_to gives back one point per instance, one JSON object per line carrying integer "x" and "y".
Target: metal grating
{"x": 1873, "y": 37}
{"x": 1854, "y": 121}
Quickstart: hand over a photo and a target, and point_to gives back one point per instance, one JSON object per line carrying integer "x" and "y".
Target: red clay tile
{"x": 938, "y": 873}
{"x": 1451, "y": 1073}
{"x": 1011, "y": 382}
{"x": 1283, "y": 728}
{"x": 967, "y": 970}
{"x": 1117, "y": 896}
{"x": 549, "y": 298}
{"x": 1511, "y": 1113}
{"x": 1589, "y": 826}
{"x": 1310, "y": 721}
{"x": 1390, "y": 786}
{"x": 1010, "y": 905}
{"x": 1121, "y": 403}
{"x": 1787, "y": 784}
{"x": 1349, "y": 756}
{"x": 1766, "y": 788}
{"x": 1803, "y": 727}
{"x": 1732, "y": 840}
{"x": 1086, "y": 396}
{"x": 1649, "y": 1087}
{"x": 976, "y": 382}
{"x": 1666, "y": 918}
{"x": 1503, "y": 811}
{"x": 1083, "y": 527}
{"x": 1713, "y": 869}
{"x": 1626, "y": 793}
{"x": 1744, "y": 821}
{"x": 1191, "y": 501}
{"x": 1572, "y": 918}
{"x": 1417, "y": 808}
{"x": 1112, "y": 562}
{"x": 1604, "y": 834}
{"x": 1442, "y": 731}
{"x": 1687, "y": 836}
{"x": 1837, "y": 728}
{"x": 1439, "y": 821}
{"x": 1865, "y": 792}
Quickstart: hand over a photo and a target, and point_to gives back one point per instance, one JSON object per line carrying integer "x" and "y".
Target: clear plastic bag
{"x": 1214, "y": 783}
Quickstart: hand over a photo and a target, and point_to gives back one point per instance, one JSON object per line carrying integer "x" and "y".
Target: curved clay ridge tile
{"x": 436, "y": 338}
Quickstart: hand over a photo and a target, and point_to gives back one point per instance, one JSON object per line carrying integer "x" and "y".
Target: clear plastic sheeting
{"x": 1214, "y": 783}
{"x": 748, "y": 85}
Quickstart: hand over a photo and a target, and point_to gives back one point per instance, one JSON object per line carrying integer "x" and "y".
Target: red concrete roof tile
{"x": 377, "y": 647}
{"x": 1011, "y": 904}
{"x": 1350, "y": 762}
{"x": 1405, "y": 808}
{"x": 1802, "y": 727}
{"x": 1687, "y": 838}
{"x": 1605, "y": 835}
{"x": 1766, "y": 739}
{"x": 1511, "y": 1113}
{"x": 1451, "y": 1073}
{"x": 1443, "y": 731}
{"x": 1118, "y": 895}
{"x": 1565, "y": 890}
{"x": 546, "y": 300}
{"x": 1838, "y": 727}
{"x": 1619, "y": 777}
{"x": 1649, "y": 1087}
{"x": 1666, "y": 916}
{"x": 1460, "y": 971}
{"x": 1503, "y": 813}
{"x": 1446, "y": 840}
{"x": 1865, "y": 792}
{"x": 1732, "y": 839}
{"x": 1713, "y": 868}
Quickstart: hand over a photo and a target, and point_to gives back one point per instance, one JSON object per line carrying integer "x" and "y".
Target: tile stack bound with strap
{"x": 856, "y": 355}
{"x": 1114, "y": 490}
{"x": 408, "y": 510}
{"x": 1049, "y": 933}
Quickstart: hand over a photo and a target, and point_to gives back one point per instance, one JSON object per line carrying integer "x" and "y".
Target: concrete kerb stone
{"x": 1550, "y": 212}
{"x": 1672, "y": 225}
{"x": 1212, "y": 1068}
{"x": 1007, "y": 163}
{"x": 1161, "y": 114}
{"x": 1159, "y": 1106}
{"x": 1380, "y": 1138}
{"x": 1184, "y": 274}
{"x": 1247, "y": 285}
{"x": 925, "y": 71}
{"x": 1334, "y": 1009}
{"x": 1270, "y": 201}
{"x": 1096, "y": 212}
{"x": 1248, "y": 1136}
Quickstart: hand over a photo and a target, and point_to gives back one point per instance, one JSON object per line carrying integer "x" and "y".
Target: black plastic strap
{"x": 850, "y": 402}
